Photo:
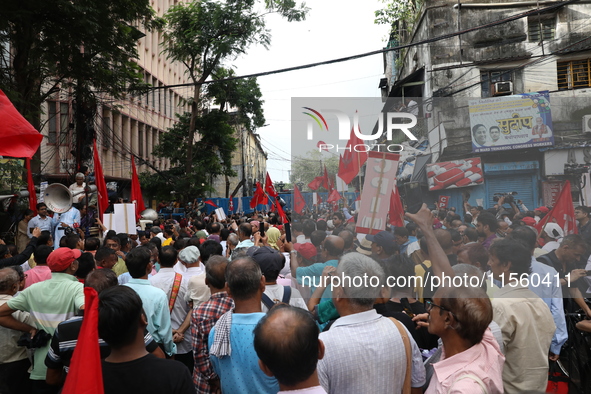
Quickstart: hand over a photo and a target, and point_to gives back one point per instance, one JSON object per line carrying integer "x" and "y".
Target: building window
{"x": 496, "y": 83}
{"x": 575, "y": 74}
{"x": 541, "y": 28}
{"x": 59, "y": 116}
{"x": 107, "y": 132}
{"x": 52, "y": 120}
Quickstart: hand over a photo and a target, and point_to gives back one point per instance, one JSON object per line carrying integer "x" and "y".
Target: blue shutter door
{"x": 524, "y": 184}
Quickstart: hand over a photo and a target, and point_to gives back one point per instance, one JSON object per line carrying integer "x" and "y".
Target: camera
{"x": 575, "y": 169}
{"x": 508, "y": 197}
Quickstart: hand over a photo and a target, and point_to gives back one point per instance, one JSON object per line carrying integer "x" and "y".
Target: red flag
{"x": 269, "y": 188}
{"x": 18, "y": 138}
{"x": 31, "y": 188}
{"x": 298, "y": 200}
{"x": 351, "y": 161}
{"x": 322, "y": 145}
{"x": 101, "y": 185}
{"x": 86, "y": 374}
{"x": 280, "y": 212}
{"x": 231, "y": 205}
{"x": 563, "y": 213}
{"x": 334, "y": 196}
{"x": 213, "y": 204}
{"x": 136, "y": 191}
{"x": 316, "y": 183}
{"x": 396, "y": 210}
{"x": 325, "y": 180}
{"x": 258, "y": 197}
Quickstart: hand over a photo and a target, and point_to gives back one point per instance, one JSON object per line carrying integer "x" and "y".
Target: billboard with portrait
{"x": 511, "y": 122}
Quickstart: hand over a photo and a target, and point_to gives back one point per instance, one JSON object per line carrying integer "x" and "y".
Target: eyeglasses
{"x": 429, "y": 305}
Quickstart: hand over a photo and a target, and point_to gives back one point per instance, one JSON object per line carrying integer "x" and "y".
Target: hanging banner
{"x": 511, "y": 122}
{"x": 380, "y": 179}
{"x": 452, "y": 174}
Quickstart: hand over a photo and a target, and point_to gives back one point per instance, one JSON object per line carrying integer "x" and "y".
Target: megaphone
{"x": 59, "y": 198}
{"x": 22, "y": 193}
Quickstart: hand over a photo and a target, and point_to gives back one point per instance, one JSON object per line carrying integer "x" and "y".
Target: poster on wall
{"x": 511, "y": 122}
{"x": 453, "y": 174}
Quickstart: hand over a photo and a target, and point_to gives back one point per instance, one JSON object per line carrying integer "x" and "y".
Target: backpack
{"x": 269, "y": 303}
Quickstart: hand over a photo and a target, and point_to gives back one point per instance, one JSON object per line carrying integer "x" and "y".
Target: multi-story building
{"x": 249, "y": 162}
{"x": 122, "y": 127}
{"x": 467, "y": 50}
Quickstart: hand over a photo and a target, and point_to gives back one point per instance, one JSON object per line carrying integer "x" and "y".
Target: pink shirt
{"x": 37, "y": 274}
{"x": 483, "y": 360}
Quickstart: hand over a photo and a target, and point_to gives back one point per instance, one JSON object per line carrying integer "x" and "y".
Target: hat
{"x": 255, "y": 223}
{"x": 553, "y": 230}
{"x": 307, "y": 250}
{"x": 201, "y": 234}
{"x": 365, "y": 247}
{"x": 215, "y": 237}
{"x": 267, "y": 258}
{"x": 542, "y": 209}
{"x": 189, "y": 255}
{"x": 529, "y": 221}
{"x": 383, "y": 238}
{"x": 60, "y": 259}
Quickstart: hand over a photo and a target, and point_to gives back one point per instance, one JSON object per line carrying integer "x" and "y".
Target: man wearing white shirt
{"x": 70, "y": 218}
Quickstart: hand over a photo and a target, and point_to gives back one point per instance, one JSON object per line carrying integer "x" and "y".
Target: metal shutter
{"x": 523, "y": 184}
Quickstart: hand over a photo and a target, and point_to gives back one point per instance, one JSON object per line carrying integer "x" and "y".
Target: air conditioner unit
{"x": 503, "y": 88}
{"x": 586, "y": 124}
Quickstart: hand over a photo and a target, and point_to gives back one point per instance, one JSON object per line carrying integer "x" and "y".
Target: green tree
{"x": 204, "y": 34}
{"x": 81, "y": 46}
{"x": 305, "y": 169}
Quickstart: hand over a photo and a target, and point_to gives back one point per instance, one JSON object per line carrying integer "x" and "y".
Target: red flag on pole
{"x": 213, "y": 204}
{"x": 325, "y": 181}
{"x": 351, "y": 161}
{"x": 86, "y": 374}
{"x": 31, "y": 188}
{"x": 231, "y": 204}
{"x": 298, "y": 200}
{"x": 563, "y": 213}
{"x": 280, "y": 212}
{"x": 258, "y": 197}
{"x": 136, "y": 191}
{"x": 396, "y": 210}
{"x": 101, "y": 185}
{"x": 334, "y": 196}
{"x": 18, "y": 138}
{"x": 269, "y": 188}
{"x": 316, "y": 183}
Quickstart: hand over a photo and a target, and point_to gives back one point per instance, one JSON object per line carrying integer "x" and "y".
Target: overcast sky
{"x": 333, "y": 29}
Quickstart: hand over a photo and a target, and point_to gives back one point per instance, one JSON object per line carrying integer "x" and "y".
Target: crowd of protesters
{"x": 249, "y": 304}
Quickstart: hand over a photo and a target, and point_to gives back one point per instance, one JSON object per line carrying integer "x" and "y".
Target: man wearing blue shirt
{"x": 154, "y": 300}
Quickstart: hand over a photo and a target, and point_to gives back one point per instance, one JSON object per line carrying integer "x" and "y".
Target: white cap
{"x": 553, "y": 230}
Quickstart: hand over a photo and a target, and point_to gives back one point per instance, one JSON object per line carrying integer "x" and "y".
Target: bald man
{"x": 282, "y": 332}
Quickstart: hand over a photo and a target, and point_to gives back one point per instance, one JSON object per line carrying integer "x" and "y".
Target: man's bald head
{"x": 288, "y": 330}
{"x": 334, "y": 245}
{"x": 8, "y": 279}
{"x": 444, "y": 239}
{"x": 348, "y": 237}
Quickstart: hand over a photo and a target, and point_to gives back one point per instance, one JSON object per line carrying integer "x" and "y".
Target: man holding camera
{"x": 67, "y": 220}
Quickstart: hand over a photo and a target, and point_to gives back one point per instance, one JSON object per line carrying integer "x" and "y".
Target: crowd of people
{"x": 249, "y": 304}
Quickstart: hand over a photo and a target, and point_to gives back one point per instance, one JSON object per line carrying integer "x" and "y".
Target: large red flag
{"x": 258, "y": 197}
{"x": 396, "y": 210}
{"x": 269, "y": 188}
{"x": 298, "y": 200}
{"x": 31, "y": 188}
{"x": 280, "y": 212}
{"x": 351, "y": 161}
{"x": 316, "y": 183}
{"x": 86, "y": 374}
{"x": 334, "y": 196}
{"x": 231, "y": 204}
{"x": 101, "y": 185}
{"x": 563, "y": 213}
{"x": 18, "y": 138}
{"x": 136, "y": 191}
{"x": 210, "y": 202}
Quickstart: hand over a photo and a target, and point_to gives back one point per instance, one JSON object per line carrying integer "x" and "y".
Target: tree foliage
{"x": 206, "y": 33}
{"x": 397, "y": 12}
{"x": 305, "y": 168}
{"x": 50, "y": 45}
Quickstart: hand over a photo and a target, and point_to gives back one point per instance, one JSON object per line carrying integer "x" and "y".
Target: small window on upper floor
{"x": 541, "y": 27}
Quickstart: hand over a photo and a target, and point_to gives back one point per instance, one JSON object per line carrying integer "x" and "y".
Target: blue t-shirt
{"x": 240, "y": 372}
